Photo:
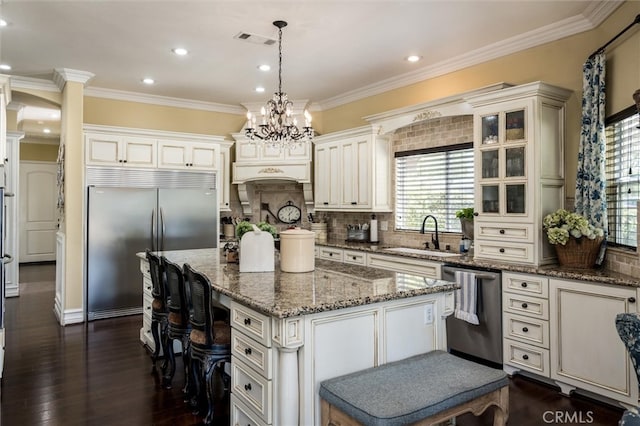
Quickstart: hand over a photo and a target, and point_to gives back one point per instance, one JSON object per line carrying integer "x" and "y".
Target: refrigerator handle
{"x": 153, "y": 229}
{"x": 162, "y": 229}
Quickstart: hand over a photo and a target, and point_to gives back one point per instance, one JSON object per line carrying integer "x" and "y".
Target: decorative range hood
{"x": 256, "y": 163}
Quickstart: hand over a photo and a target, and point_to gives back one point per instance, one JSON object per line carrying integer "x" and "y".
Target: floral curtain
{"x": 591, "y": 200}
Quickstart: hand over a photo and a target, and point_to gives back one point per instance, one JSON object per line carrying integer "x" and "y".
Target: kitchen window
{"x": 623, "y": 176}
{"x": 437, "y": 181}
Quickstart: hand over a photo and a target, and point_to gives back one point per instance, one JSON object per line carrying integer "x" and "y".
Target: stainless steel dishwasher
{"x": 481, "y": 342}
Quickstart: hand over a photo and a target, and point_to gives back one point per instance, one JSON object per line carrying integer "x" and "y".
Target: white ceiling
{"x": 333, "y": 51}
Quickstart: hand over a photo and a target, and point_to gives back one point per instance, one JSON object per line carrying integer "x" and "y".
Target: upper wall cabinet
{"x": 352, "y": 171}
{"x": 139, "y": 148}
{"x": 117, "y": 150}
{"x": 519, "y": 170}
{"x": 188, "y": 155}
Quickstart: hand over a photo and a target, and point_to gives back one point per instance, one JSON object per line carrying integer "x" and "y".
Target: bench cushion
{"x": 405, "y": 391}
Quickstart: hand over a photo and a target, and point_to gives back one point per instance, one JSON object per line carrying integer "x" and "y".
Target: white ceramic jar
{"x": 297, "y": 250}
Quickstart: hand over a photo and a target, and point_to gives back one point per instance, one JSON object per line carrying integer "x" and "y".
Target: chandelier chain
{"x": 279, "y": 127}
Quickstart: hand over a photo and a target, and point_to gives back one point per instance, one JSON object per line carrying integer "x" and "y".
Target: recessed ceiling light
{"x": 46, "y": 130}
{"x": 148, "y": 80}
{"x": 5, "y": 67}
{"x": 264, "y": 67}
{"x": 259, "y": 89}
{"x": 3, "y": 23}
{"x": 180, "y": 51}
{"x": 413, "y": 58}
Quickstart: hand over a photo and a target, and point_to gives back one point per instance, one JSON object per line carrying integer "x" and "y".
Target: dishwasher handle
{"x": 481, "y": 275}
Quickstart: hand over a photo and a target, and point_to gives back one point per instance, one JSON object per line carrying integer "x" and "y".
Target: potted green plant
{"x": 466, "y": 216}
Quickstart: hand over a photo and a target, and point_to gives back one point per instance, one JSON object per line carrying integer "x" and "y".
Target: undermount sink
{"x": 420, "y": 251}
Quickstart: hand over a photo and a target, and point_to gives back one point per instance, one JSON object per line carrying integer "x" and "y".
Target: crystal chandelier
{"x": 279, "y": 128}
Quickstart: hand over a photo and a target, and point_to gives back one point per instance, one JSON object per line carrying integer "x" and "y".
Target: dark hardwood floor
{"x": 99, "y": 374}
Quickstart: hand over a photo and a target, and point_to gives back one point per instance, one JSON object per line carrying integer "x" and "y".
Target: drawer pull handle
{"x": 524, "y": 306}
{"x": 502, "y": 231}
{"x": 330, "y": 254}
{"x": 524, "y": 285}
{"x": 149, "y": 288}
{"x": 247, "y": 321}
{"x": 525, "y": 357}
{"x": 247, "y": 351}
{"x": 353, "y": 203}
{"x": 325, "y": 203}
{"x": 525, "y": 329}
{"x": 632, "y": 300}
{"x": 247, "y": 387}
{"x": 501, "y": 250}
{"x": 354, "y": 258}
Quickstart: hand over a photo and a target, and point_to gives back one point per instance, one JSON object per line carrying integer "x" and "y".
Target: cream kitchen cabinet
{"x": 519, "y": 170}
{"x": 352, "y": 171}
{"x": 277, "y": 364}
{"x": 586, "y": 351}
{"x": 187, "y": 155}
{"x": 525, "y": 323}
{"x": 105, "y": 149}
{"x": 224, "y": 175}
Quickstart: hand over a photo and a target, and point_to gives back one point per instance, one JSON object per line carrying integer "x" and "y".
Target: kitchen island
{"x": 291, "y": 331}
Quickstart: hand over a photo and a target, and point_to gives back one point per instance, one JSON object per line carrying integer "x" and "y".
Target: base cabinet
{"x": 278, "y": 364}
{"x": 586, "y": 351}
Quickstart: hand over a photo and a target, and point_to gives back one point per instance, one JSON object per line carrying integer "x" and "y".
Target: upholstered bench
{"x": 425, "y": 389}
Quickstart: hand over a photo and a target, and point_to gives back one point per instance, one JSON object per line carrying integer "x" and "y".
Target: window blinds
{"x": 433, "y": 181}
{"x": 623, "y": 177}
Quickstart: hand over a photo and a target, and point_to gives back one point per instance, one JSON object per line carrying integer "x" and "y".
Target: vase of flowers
{"x": 576, "y": 241}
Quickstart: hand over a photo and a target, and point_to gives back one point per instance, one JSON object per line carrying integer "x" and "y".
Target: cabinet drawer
{"x": 533, "y": 285}
{"x": 355, "y": 257}
{"x": 525, "y": 305}
{"x": 147, "y": 285}
{"x": 512, "y": 232}
{"x": 251, "y": 323}
{"x": 527, "y": 330}
{"x": 527, "y": 357}
{"x": 251, "y": 353}
{"x": 241, "y": 415}
{"x": 504, "y": 251}
{"x": 253, "y": 390}
{"x": 147, "y": 300}
{"x": 330, "y": 253}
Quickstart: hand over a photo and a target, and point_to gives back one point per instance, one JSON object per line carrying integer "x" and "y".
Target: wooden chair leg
{"x": 155, "y": 326}
{"x": 501, "y": 412}
{"x": 170, "y": 369}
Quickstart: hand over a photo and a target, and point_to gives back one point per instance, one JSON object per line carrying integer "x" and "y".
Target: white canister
{"x": 297, "y": 250}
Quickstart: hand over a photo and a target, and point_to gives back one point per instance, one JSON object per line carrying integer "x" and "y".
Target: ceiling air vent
{"x": 254, "y": 38}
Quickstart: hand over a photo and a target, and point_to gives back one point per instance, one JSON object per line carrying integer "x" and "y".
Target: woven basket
{"x": 580, "y": 253}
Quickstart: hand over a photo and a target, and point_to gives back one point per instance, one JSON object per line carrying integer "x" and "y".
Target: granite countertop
{"x": 332, "y": 285}
{"x": 601, "y": 275}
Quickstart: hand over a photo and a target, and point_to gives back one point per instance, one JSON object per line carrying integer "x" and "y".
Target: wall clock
{"x": 289, "y": 213}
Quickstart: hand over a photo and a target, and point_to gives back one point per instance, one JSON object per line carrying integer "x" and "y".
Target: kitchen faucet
{"x": 434, "y": 238}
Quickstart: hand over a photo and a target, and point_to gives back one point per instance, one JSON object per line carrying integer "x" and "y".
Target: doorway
{"x": 38, "y": 214}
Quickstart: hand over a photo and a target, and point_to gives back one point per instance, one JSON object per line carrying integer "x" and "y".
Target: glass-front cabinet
{"x": 502, "y": 175}
{"x": 519, "y": 170}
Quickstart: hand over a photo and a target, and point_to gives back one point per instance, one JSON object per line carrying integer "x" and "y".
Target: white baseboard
{"x": 70, "y": 316}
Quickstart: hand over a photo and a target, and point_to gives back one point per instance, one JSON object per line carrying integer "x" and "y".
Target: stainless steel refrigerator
{"x": 123, "y": 221}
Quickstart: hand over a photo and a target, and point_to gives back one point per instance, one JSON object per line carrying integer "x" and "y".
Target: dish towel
{"x": 466, "y": 297}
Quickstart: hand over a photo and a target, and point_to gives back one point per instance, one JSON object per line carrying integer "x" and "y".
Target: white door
{"x": 37, "y": 211}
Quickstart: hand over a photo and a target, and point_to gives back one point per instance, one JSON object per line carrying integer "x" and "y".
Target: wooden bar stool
{"x": 159, "y": 307}
{"x": 210, "y": 347}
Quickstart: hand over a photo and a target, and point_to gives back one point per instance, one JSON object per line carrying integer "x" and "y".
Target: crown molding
{"x": 18, "y": 82}
{"x": 122, "y": 95}
{"x": 549, "y": 33}
{"x": 62, "y": 75}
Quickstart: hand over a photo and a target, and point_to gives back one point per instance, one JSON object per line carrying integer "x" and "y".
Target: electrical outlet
{"x": 428, "y": 314}
{"x": 384, "y": 225}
